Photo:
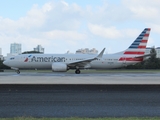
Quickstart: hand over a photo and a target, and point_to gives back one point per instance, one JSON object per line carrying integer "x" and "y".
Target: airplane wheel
{"x": 18, "y": 72}
{"x": 77, "y": 71}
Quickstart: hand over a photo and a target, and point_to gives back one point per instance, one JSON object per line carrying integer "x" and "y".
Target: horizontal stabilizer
{"x": 146, "y": 55}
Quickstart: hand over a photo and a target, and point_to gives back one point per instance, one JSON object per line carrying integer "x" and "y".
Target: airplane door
{"x": 103, "y": 63}
{"x": 124, "y": 61}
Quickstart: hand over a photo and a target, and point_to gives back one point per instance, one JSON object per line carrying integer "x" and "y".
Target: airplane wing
{"x": 85, "y": 61}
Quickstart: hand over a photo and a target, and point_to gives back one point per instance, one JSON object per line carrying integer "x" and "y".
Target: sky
{"x": 67, "y": 25}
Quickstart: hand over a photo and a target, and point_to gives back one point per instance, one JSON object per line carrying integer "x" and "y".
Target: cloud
{"x": 44, "y": 25}
{"x": 61, "y": 25}
{"x": 58, "y": 34}
{"x": 131, "y": 33}
{"x": 146, "y": 10}
{"x": 65, "y": 3}
{"x": 111, "y": 32}
{"x": 155, "y": 27}
{"x": 146, "y": 13}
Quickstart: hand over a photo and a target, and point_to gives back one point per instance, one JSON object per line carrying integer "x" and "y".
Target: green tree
{"x": 2, "y": 66}
{"x": 152, "y": 62}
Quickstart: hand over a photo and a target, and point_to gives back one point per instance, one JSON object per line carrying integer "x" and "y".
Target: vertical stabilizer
{"x": 138, "y": 47}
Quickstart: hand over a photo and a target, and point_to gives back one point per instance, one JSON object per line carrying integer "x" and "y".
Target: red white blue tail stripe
{"x": 138, "y": 47}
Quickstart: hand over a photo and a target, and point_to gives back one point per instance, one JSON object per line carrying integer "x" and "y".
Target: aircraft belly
{"x": 99, "y": 65}
{"x": 35, "y": 65}
{"x": 106, "y": 65}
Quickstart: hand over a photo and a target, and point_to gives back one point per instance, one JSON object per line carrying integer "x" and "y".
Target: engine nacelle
{"x": 59, "y": 67}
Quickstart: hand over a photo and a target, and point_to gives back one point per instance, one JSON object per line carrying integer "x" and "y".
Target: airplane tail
{"x": 138, "y": 47}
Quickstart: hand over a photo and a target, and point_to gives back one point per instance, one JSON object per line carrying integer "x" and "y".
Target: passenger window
{"x": 12, "y": 58}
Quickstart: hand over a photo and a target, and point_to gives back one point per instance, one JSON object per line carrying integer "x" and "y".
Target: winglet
{"x": 101, "y": 53}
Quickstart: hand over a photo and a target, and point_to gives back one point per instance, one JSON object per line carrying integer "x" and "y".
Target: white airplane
{"x": 63, "y": 62}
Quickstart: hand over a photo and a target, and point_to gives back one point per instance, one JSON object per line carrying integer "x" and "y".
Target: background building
{"x": 87, "y": 51}
{"x": 15, "y": 48}
{"x": 0, "y": 51}
{"x": 94, "y": 51}
{"x": 39, "y": 48}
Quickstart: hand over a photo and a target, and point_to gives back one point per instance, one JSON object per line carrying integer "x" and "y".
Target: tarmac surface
{"x": 84, "y": 95}
{"x": 84, "y": 78}
{"x": 79, "y": 101}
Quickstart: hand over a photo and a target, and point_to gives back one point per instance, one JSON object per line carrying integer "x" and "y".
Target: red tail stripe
{"x": 132, "y": 52}
{"x": 144, "y": 41}
{"x": 146, "y": 35}
{"x": 130, "y": 59}
{"x": 149, "y": 29}
{"x": 141, "y": 46}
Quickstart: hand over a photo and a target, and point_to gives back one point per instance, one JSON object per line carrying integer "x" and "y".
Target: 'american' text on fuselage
{"x": 47, "y": 59}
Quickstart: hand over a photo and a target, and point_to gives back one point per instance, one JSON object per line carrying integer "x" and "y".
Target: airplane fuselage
{"x": 41, "y": 61}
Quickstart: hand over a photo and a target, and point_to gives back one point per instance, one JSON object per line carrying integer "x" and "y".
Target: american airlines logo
{"x": 26, "y": 60}
{"x": 47, "y": 59}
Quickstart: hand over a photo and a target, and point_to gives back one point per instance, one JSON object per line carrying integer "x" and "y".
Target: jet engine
{"x": 59, "y": 67}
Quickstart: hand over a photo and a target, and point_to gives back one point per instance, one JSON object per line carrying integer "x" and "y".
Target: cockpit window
{"x": 12, "y": 58}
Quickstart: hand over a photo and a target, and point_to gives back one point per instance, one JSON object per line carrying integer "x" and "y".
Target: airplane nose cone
{"x": 5, "y": 63}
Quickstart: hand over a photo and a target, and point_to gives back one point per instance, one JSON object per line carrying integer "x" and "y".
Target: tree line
{"x": 2, "y": 66}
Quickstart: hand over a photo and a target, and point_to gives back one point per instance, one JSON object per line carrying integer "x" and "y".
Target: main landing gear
{"x": 77, "y": 71}
{"x": 17, "y": 71}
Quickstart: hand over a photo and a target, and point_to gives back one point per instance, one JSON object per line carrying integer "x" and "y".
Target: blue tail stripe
{"x": 142, "y": 34}
{"x": 133, "y": 46}
{"x": 136, "y": 43}
{"x": 146, "y": 29}
{"x": 138, "y": 40}
{"x": 140, "y": 37}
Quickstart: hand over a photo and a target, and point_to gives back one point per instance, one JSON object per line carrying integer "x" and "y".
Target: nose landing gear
{"x": 17, "y": 71}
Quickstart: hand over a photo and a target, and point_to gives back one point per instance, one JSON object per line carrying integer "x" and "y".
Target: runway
{"x": 128, "y": 78}
{"x": 79, "y": 101}
{"x": 110, "y": 94}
